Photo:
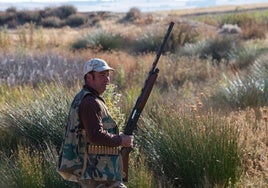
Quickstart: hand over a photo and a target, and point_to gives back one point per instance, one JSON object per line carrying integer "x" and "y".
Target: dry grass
{"x": 254, "y": 139}
{"x": 217, "y": 9}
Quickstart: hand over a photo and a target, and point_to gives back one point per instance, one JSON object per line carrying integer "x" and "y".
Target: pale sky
{"x": 122, "y": 5}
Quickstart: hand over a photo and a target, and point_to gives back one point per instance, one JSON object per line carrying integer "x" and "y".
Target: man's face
{"x": 99, "y": 80}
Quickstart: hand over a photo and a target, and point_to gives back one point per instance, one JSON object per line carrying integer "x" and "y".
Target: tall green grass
{"x": 191, "y": 151}
{"x": 32, "y": 122}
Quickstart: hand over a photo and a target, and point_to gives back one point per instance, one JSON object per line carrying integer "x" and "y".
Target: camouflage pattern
{"x": 75, "y": 163}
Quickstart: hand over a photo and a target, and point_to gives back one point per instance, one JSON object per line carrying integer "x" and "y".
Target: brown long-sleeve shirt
{"x": 91, "y": 120}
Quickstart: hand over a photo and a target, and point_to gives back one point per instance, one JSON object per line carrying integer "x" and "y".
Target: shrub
{"x": 194, "y": 151}
{"x": 243, "y": 57}
{"x": 183, "y": 34}
{"x": 65, "y": 11}
{"x": 28, "y": 16}
{"x": 82, "y": 43}
{"x": 240, "y": 19}
{"x": 11, "y": 9}
{"x": 52, "y": 22}
{"x": 148, "y": 42}
{"x": 229, "y": 29}
{"x": 243, "y": 91}
{"x": 254, "y": 30}
{"x": 132, "y": 15}
{"x": 9, "y": 19}
{"x": 251, "y": 27}
{"x": 76, "y": 20}
{"x": 61, "y": 12}
{"x": 39, "y": 121}
{"x": 100, "y": 40}
{"x": 219, "y": 48}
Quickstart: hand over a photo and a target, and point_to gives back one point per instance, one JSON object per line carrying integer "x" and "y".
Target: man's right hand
{"x": 127, "y": 140}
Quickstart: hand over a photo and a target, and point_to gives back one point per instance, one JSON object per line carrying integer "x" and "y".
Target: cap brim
{"x": 100, "y": 69}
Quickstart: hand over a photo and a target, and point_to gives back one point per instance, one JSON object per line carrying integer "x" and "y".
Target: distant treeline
{"x": 57, "y": 17}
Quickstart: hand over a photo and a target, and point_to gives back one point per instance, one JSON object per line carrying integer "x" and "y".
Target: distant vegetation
{"x": 205, "y": 124}
{"x": 57, "y": 17}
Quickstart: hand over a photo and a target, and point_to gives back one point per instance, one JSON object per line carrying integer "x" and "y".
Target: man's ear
{"x": 90, "y": 76}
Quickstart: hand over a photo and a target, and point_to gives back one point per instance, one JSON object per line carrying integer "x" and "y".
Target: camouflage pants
{"x": 101, "y": 184}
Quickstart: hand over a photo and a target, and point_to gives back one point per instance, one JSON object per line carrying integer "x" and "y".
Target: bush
{"x": 219, "y": 48}
{"x": 149, "y": 42}
{"x": 132, "y": 15}
{"x": 254, "y": 31}
{"x": 28, "y": 16}
{"x": 61, "y": 12}
{"x": 11, "y": 9}
{"x": 100, "y": 40}
{"x": 65, "y": 11}
{"x": 39, "y": 121}
{"x": 9, "y": 19}
{"x": 183, "y": 34}
{"x": 191, "y": 151}
{"x": 243, "y": 57}
{"x": 52, "y": 22}
{"x": 240, "y": 19}
{"x": 82, "y": 43}
{"x": 243, "y": 91}
{"x": 76, "y": 20}
{"x": 251, "y": 27}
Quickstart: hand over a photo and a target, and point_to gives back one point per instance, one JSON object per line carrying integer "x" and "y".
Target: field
{"x": 204, "y": 125}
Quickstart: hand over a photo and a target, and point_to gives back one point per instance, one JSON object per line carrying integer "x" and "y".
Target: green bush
{"x": 191, "y": 151}
{"x": 218, "y": 48}
{"x": 28, "y": 17}
{"x": 9, "y": 19}
{"x": 183, "y": 34}
{"x": 240, "y": 19}
{"x": 65, "y": 11}
{"x": 11, "y": 9}
{"x": 76, "y": 20}
{"x": 52, "y": 21}
{"x": 79, "y": 44}
{"x": 149, "y": 42}
{"x": 100, "y": 40}
{"x": 244, "y": 90}
{"x": 243, "y": 57}
{"x": 38, "y": 121}
{"x": 132, "y": 15}
{"x": 61, "y": 12}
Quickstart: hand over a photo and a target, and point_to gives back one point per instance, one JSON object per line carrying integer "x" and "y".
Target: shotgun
{"x": 141, "y": 101}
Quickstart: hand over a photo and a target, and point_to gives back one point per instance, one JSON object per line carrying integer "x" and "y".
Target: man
{"x": 90, "y": 151}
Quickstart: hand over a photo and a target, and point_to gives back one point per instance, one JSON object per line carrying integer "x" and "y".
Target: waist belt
{"x": 92, "y": 149}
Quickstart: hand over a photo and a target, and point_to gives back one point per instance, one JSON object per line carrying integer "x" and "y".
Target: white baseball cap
{"x": 97, "y": 65}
